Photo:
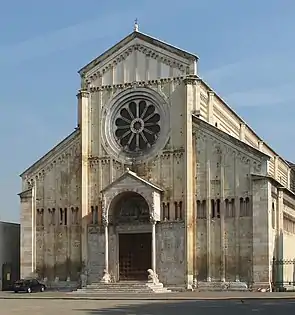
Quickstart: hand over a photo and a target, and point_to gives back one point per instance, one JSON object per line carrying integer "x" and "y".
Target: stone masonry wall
{"x": 171, "y": 253}
{"x": 224, "y": 247}
{"x": 57, "y": 214}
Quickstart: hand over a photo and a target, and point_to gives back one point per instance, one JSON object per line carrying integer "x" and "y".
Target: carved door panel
{"x": 134, "y": 256}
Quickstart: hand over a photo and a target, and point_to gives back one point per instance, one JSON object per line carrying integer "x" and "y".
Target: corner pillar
{"x": 262, "y": 233}
{"x": 83, "y": 123}
{"x": 189, "y": 193}
{"x": 28, "y": 233}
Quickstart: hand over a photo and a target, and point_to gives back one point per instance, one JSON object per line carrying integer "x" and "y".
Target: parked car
{"x": 28, "y": 285}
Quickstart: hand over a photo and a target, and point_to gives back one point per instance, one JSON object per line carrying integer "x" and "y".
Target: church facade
{"x": 159, "y": 174}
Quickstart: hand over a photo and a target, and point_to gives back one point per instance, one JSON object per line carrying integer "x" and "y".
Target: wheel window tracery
{"x": 137, "y": 126}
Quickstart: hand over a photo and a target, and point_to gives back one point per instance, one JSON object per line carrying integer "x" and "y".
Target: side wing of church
{"x": 160, "y": 178}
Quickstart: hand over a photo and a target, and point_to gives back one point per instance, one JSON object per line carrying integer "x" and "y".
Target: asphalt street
{"x": 146, "y": 307}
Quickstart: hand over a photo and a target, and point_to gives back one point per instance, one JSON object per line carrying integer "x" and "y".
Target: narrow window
{"x": 232, "y": 208}
{"x": 163, "y": 211}
{"x": 242, "y": 208}
{"x": 92, "y": 215}
{"x": 199, "y": 209}
{"x": 53, "y": 222}
{"x": 213, "y": 214}
{"x": 96, "y": 215}
{"x": 166, "y": 211}
{"x": 61, "y": 217}
{"x": 247, "y": 207}
{"x": 65, "y": 222}
{"x": 73, "y": 212}
{"x": 175, "y": 210}
{"x": 204, "y": 209}
{"x": 38, "y": 222}
{"x": 273, "y": 215}
{"x": 227, "y": 208}
{"x": 77, "y": 215}
{"x": 42, "y": 217}
{"x": 218, "y": 208}
{"x": 180, "y": 210}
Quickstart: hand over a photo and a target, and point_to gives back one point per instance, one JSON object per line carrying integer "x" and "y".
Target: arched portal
{"x": 129, "y": 210}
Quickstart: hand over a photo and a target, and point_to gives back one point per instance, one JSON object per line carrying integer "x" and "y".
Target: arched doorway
{"x": 135, "y": 249}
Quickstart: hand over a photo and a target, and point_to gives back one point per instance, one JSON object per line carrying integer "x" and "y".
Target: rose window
{"x": 137, "y": 126}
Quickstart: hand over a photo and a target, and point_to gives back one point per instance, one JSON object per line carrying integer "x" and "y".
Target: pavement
{"x": 46, "y": 306}
{"x": 55, "y": 295}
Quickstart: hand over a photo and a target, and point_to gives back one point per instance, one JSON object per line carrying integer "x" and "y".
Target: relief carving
{"x": 104, "y": 211}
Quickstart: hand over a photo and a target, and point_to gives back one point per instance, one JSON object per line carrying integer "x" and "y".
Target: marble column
{"x": 106, "y": 276}
{"x": 154, "y": 246}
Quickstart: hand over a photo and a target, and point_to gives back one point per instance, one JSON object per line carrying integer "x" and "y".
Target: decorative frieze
{"x": 116, "y": 88}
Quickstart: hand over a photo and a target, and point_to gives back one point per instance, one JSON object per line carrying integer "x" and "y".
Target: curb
{"x": 146, "y": 298}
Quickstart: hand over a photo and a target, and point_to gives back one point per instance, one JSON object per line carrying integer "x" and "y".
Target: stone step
{"x": 123, "y": 287}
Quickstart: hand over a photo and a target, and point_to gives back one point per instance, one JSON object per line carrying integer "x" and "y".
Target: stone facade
{"x": 210, "y": 184}
{"x": 9, "y": 254}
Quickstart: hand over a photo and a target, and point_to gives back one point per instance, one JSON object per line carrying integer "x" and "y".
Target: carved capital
{"x": 191, "y": 80}
{"x": 83, "y": 94}
{"x": 153, "y": 220}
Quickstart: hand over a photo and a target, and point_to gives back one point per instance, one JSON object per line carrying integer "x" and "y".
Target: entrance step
{"x": 123, "y": 287}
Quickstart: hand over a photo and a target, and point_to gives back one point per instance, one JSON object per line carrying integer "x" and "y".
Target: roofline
{"x": 185, "y": 52}
{"x": 215, "y": 129}
{"x": 129, "y": 37}
{"x": 274, "y": 181}
{"x": 10, "y": 223}
{"x": 65, "y": 140}
{"x": 136, "y": 177}
{"x": 242, "y": 120}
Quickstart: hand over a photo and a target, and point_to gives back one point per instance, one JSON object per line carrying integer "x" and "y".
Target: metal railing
{"x": 283, "y": 275}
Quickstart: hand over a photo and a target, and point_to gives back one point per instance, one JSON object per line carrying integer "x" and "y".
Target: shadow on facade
{"x": 69, "y": 270}
{"x": 67, "y": 273}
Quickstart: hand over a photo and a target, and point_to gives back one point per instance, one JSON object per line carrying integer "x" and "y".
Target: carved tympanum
{"x": 131, "y": 207}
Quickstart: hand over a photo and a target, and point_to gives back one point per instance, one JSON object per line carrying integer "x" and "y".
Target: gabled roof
{"x": 133, "y": 175}
{"x": 57, "y": 148}
{"x": 229, "y": 137}
{"x": 154, "y": 41}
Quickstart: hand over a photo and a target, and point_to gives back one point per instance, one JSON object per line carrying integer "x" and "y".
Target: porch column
{"x": 106, "y": 276}
{"x": 154, "y": 246}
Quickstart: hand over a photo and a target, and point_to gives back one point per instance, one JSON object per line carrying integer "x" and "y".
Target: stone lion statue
{"x": 152, "y": 277}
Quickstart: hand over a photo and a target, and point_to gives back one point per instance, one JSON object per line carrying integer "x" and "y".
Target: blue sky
{"x": 246, "y": 51}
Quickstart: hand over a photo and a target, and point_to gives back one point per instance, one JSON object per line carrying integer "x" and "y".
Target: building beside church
{"x": 9, "y": 254}
{"x": 159, "y": 174}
